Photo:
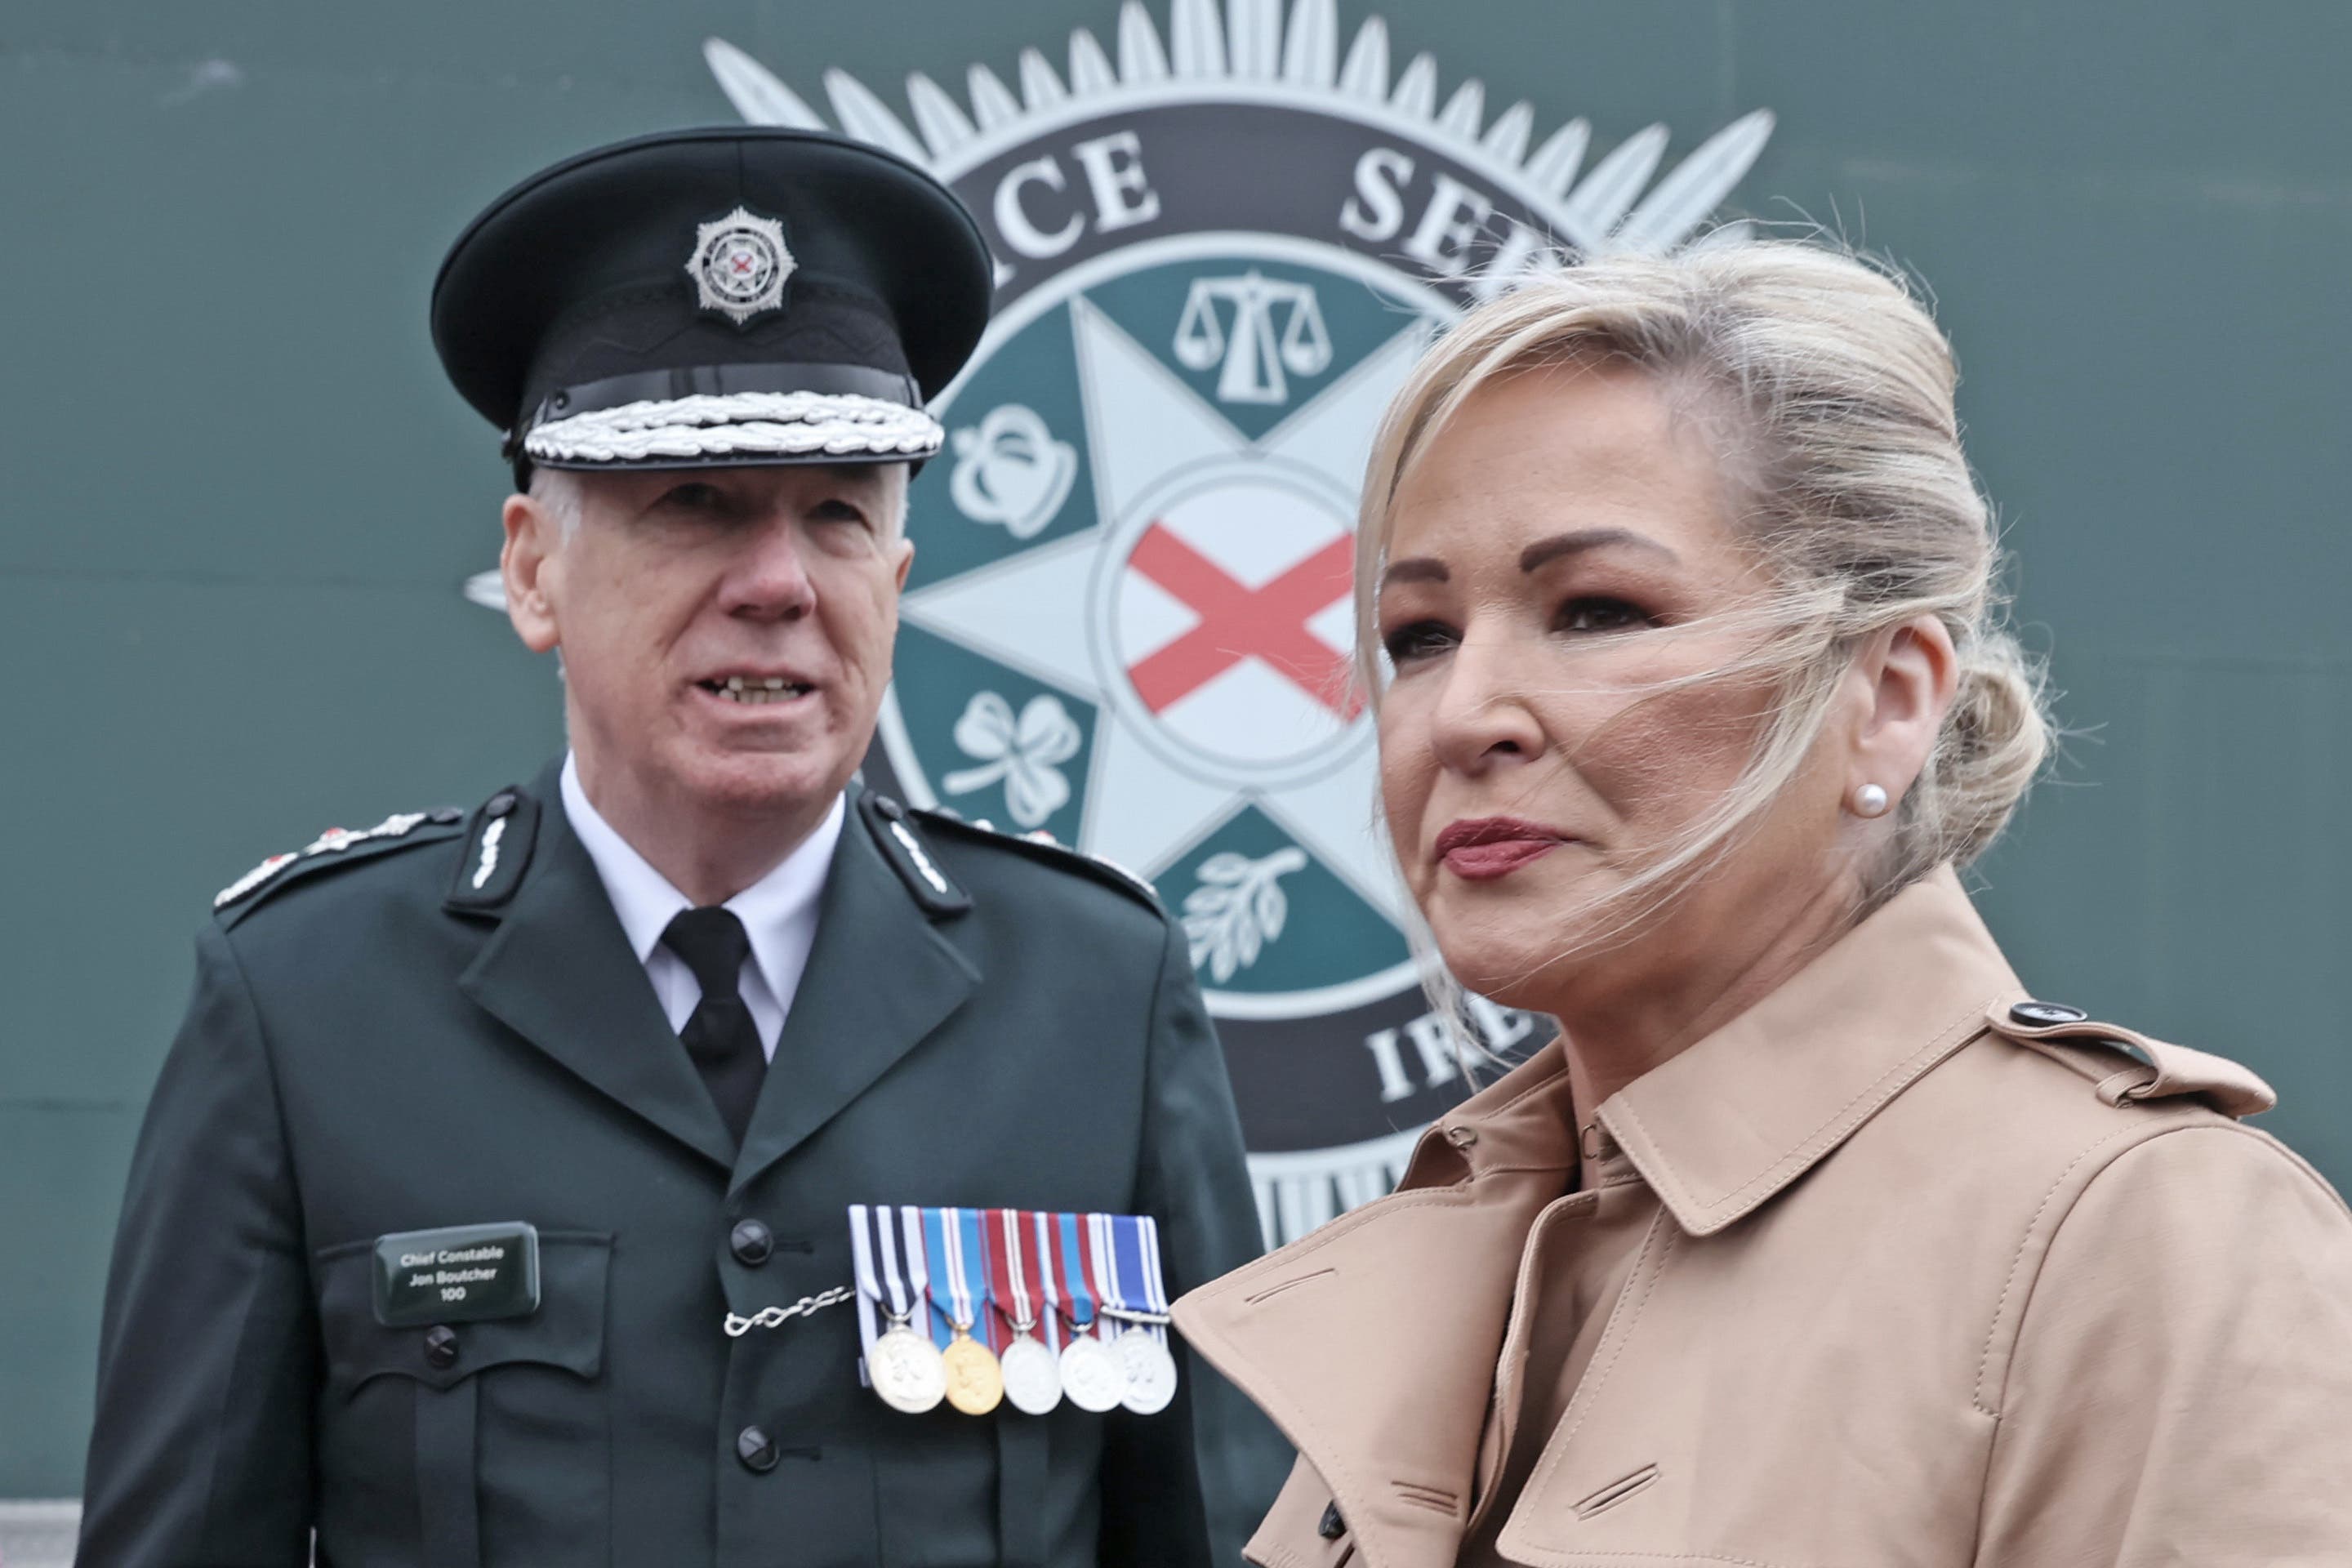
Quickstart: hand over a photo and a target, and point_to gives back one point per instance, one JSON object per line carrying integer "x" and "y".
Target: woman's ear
{"x": 533, "y": 534}
{"x": 1909, "y": 674}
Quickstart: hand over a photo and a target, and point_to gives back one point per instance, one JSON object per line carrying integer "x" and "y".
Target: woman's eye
{"x": 1419, "y": 640}
{"x": 1596, "y": 613}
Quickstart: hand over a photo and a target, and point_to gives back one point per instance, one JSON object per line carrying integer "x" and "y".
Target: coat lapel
{"x": 1372, "y": 1342}
{"x": 560, "y": 972}
{"x": 879, "y": 979}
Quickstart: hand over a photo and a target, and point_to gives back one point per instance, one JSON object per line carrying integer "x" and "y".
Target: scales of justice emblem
{"x": 1221, "y": 246}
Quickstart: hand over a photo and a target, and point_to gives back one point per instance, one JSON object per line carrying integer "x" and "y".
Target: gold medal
{"x": 975, "y": 1382}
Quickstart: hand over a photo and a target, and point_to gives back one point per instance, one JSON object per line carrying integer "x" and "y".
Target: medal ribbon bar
{"x": 1079, "y": 1300}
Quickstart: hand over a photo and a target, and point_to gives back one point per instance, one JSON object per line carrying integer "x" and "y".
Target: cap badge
{"x": 740, "y": 264}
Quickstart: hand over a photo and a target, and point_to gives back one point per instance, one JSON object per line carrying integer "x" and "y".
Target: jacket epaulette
{"x": 334, "y": 848}
{"x": 1045, "y": 847}
{"x": 2127, "y": 1066}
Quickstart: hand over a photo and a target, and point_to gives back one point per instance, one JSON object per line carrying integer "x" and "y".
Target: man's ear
{"x": 905, "y": 549}
{"x": 534, "y": 535}
{"x": 1910, "y": 673}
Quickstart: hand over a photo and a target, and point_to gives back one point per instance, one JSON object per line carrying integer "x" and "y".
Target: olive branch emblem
{"x": 1238, "y": 908}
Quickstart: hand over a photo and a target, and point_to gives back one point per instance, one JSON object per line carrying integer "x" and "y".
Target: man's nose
{"x": 1482, "y": 718}
{"x": 768, "y": 579}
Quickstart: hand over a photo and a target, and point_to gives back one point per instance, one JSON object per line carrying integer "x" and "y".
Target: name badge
{"x": 462, "y": 1273}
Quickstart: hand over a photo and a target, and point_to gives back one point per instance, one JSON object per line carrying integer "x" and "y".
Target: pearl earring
{"x": 1870, "y": 800}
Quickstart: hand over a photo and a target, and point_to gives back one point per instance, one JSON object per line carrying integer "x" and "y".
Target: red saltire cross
{"x": 1237, "y": 622}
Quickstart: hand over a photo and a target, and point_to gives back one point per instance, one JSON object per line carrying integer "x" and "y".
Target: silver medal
{"x": 1151, "y": 1371}
{"x": 1032, "y": 1379}
{"x": 907, "y": 1371}
{"x": 1091, "y": 1375}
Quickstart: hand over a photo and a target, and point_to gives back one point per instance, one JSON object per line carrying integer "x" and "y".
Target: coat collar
{"x": 560, "y": 971}
{"x": 1720, "y": 1128}
{"x": 1341, "y": 1337}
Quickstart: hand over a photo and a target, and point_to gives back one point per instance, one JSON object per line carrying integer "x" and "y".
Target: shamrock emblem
{"x": 1025, "y": 753}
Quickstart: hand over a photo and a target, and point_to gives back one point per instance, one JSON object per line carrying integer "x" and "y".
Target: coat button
{"x": 754, "y": 1448}
{"x": 447, "y": 815}
{"x": 2042, "y": 1015}
{"x": 441, "y": 1347}
{"x": 889, "y": 808}
{"x": 1333, "y": 1526}
{"x": 1462, "y": 1137}
{"x": 500, "y": 804}
{"x": 752, "y": 1243}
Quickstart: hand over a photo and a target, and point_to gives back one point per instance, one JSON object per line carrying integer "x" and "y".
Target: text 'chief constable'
{"x": 617, "y": 1050}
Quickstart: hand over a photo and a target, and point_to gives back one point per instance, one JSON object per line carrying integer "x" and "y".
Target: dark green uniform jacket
{"x": 388, "y": 1039}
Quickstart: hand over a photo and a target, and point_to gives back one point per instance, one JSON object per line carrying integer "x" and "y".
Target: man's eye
{"x": 1596, "y": 613}
{"x": 1421, "y": 639}
{"x": 836, "y": 511}
{"x": 693, "y": 496}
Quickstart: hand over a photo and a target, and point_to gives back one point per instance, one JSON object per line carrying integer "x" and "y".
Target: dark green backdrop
{"x": 240, "y": 501}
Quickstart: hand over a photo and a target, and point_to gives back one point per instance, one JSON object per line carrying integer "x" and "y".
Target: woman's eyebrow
{"x": 1415, "y": 569}
{"x": 1582, "y": 539}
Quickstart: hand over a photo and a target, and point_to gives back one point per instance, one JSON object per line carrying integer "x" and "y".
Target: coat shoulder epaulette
{"x": 336, "y": 848}
{"x": 2125, "y": 1066}
{"x": 1045, "y": 849}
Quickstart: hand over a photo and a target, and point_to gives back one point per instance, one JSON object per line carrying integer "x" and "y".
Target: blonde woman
{"x": 1817, "y": 1241}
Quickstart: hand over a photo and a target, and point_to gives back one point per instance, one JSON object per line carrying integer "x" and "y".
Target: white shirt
{"x": 778, "y": 912}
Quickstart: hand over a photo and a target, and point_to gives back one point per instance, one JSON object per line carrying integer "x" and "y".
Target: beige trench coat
{"x": 1927, "y": 1286}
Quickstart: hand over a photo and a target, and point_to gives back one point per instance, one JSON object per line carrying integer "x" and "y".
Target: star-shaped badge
{"x": 739, "y": 265}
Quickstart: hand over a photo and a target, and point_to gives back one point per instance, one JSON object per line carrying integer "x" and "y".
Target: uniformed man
{"x": 611, "y": 1055}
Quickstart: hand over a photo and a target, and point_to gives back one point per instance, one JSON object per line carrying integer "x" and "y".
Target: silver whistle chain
{"x": 777, "y": 1317}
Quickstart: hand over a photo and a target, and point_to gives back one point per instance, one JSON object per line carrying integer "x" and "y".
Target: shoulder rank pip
{"x": 335, "y": 842}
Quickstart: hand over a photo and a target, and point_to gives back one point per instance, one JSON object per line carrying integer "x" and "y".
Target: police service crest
{"x": 740, "y": 265}
{"x": 1220, "y": 249}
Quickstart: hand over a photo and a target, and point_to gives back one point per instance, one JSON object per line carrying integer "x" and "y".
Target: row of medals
{"x": 911, "y": 1374}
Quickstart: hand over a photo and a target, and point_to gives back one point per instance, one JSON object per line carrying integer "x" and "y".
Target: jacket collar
{"x": 1342, "y": 1339}
{"x": 560, "y": 971}
{"x": 1720, "y": 1128}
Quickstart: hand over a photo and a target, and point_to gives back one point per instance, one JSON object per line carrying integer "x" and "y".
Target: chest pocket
{"x": 494, "y": 1435}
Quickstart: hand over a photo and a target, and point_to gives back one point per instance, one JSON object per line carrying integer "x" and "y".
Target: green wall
{"x": 240, "y": 501}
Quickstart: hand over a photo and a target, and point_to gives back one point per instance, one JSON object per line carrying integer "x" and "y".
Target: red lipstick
{"x": 1482, "y": 849}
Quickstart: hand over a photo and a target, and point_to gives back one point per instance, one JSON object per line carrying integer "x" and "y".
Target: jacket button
{"x": 500, "y": 804}
{"x": 752, "y": 1243}
{"x": 2041, "y": 1014}
{"x": 441, "y": 1347}
{"x": 1333, "y": 1526}
{"x": 889, "y": 808}
{"x": 447, "y": 815}
{"x": 756, "y": 1451}
{"x": 1462, "y": 1137}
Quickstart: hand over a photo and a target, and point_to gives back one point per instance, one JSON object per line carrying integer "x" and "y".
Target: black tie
{"x": 720, "y": 1035}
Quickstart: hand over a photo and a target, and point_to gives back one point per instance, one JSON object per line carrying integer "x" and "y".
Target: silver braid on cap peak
{"x": 739, "y": 424}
